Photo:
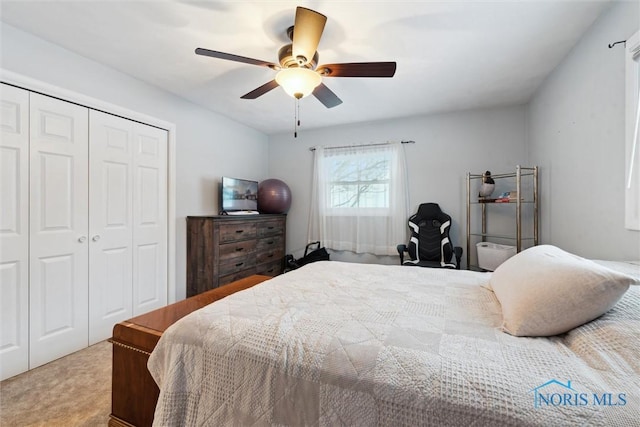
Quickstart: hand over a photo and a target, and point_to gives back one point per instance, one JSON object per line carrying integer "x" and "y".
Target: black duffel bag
{"x": 317, "y": 254}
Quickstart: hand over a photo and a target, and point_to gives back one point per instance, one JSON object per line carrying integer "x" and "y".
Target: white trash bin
{"x": 491, "y": 255}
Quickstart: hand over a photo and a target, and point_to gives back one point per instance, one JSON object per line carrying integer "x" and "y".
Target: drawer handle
{"x": 239, "y": 249}
{"x": 270, "y": 271}
{"x": 239, "y": 264}
{"x": 271, "y": 228}
{"x": 270, "y": 242}
{"x": 239, "y": 231}
{"x": 270, "y": 256}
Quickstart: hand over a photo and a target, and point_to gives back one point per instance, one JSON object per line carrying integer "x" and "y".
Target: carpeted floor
{"x": 72, "y": 391}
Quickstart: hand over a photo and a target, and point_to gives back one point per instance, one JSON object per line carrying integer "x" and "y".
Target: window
{"x": 632, "y": 125}
{"x": 359, "y": 198}
{"x": 359, "y": 181}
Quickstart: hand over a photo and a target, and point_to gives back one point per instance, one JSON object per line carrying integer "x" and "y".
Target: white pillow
{"x": 546, "y": 291}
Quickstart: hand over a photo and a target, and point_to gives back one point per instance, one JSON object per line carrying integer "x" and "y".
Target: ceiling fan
{"x": 298, "y": 72}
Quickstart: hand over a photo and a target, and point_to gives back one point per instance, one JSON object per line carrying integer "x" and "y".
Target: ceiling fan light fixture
{"x": 298, "y": 82}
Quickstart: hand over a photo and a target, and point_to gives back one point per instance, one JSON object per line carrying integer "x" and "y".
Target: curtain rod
{"x": 362, "y": 145}
{"x": 621, "y": 41}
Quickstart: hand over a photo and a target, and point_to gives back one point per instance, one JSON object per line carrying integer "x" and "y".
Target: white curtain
{"x": 632, "y": 149}
{"x": 359, "y": 199}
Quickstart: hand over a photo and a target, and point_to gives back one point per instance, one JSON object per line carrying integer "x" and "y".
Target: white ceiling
{"x": 451, "y": 55}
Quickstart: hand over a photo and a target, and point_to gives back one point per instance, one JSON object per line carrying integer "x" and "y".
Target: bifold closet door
{"x": 14, "y": 231}
{"x": 110, "y": 223}
{"x": 58, "y": 238}
{"x": 127, "y": 221}
{"x": 150, "y": 231}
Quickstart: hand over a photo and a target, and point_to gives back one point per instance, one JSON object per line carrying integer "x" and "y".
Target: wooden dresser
{"x": 222, "y": 249}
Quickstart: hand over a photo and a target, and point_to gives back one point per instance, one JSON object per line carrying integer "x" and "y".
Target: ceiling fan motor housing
{"x": 287, "y": 60}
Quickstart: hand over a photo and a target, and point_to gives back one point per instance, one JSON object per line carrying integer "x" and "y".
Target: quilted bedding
{"x": 350, "y": 344}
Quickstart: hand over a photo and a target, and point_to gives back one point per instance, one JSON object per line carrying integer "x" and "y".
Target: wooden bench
{"x": 134, "y": 392}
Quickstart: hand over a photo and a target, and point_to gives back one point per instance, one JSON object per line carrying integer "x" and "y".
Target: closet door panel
{"x": 14, "y": 231}
{"x": 58, "y": 241}
{"x": 150, "y": 219}
{"x": 110, "y": 223}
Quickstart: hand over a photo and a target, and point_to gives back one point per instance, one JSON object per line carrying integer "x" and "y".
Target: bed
{"x": 338, "y": 343}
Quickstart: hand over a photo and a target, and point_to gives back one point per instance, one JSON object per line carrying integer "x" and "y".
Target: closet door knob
{"x": 82, "y": 239}
{"x": 96, "y": 238}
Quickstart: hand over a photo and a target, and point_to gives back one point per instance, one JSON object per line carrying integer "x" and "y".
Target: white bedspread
{"x": 351, "y": 344}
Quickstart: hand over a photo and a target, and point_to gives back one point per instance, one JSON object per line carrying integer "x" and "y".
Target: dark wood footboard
{"x": 134, "y": 393}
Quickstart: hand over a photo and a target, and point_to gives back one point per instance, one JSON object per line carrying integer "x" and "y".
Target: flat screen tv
{"x": 238, "y": 195}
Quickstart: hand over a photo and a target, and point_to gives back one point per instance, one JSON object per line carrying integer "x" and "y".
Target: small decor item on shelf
{"x": 274, "y": 197}
{"x": 507, "y": 196}
{"x": 487, "y": 186}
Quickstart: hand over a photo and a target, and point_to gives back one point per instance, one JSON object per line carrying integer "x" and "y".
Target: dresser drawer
{"x": 237, "y": 264}
{"x": 270, "y": 228}
{"x": 233, "y": 250}
{"x": 223, "y": 280}
{"x": 269, "y": 255}
{"x": 269, "y": 243}
{"x": 237, "y": 231}
{"x": 270, "y": 269}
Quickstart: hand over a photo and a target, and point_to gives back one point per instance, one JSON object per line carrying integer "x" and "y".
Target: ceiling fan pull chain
{"x": 296, "y": 118}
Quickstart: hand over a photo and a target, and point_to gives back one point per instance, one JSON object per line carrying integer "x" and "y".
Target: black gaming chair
{"x": 429, "y": 245}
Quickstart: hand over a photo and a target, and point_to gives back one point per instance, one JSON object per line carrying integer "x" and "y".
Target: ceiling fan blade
{"x": 261, "y": 90}
{"x": 236, "y": 58}
{"x": 358, "y": 69}
{"x": 307, "y": 31}
{"x": 326, "y": 96}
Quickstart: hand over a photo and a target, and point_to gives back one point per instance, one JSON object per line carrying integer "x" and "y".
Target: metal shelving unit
{"x": 522, "y": 201}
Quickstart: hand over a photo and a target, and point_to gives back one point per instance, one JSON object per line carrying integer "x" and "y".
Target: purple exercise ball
{"x": 274, "y": 197}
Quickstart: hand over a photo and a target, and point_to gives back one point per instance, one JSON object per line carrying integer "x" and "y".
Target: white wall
{"x": 447, "y": 146}
{"x": 208, "y": 145}
{"x": 576, "y": 135}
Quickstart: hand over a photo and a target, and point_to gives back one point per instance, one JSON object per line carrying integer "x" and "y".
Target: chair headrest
{"x": 429, "y": 210}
